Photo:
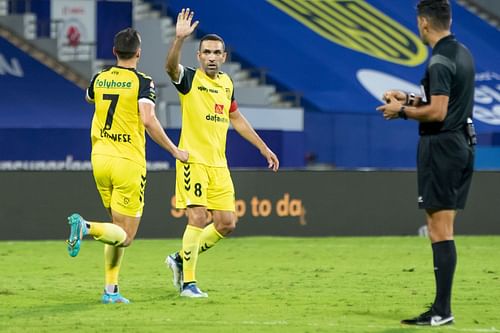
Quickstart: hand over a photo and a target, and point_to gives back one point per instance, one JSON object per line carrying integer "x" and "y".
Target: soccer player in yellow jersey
{"x": 124, "y": 109}
{"x": 204, "y": 182}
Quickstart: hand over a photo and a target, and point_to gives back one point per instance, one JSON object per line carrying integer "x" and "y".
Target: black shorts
{"x": 445, "y": 164}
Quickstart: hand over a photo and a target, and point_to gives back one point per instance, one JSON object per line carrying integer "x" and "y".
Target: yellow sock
{"x": 189, "y": 253}
{"x": 209, "y": 237}
{"x": 107, "y": 233}
{"x": 112, "y": 261}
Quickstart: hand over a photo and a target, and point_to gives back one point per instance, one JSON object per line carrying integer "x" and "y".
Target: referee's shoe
{"x": 430, "y": 318}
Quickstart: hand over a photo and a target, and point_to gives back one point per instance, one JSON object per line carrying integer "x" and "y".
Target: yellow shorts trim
{"x": 121, "y": 184}
{"x": 201, "y": 185}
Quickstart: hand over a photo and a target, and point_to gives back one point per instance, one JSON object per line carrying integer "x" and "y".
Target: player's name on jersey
{"x": 212, "y": 90}
{"x": 112, "y": 84}
{"x": 117, "y": 137}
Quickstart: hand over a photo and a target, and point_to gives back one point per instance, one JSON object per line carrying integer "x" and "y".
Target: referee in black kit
{"x": 445, "y": 150}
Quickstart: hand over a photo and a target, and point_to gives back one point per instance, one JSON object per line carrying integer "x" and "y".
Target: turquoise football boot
{"x": 78, "y": 230}
{"x": 113, "y": 298}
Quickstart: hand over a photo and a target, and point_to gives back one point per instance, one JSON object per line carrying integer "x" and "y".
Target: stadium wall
{"x": 34, "y": 205}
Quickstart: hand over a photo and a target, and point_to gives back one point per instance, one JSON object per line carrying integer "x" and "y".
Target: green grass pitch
{"x": 255, "y": 284}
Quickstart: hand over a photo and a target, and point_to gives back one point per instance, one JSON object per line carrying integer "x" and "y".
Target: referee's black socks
{"x": 445, "y": 260}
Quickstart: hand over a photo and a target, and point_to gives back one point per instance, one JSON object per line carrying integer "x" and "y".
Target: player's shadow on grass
{"x": 391, "y": 320}
{"x": 38, "y": 310}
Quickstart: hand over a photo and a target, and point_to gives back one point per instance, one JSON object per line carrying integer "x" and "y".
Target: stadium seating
{"x": 340, "y": 83}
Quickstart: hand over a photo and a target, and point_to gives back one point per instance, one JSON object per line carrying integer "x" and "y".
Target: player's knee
{"x": 227, "y": 226}
{"x": 127, "y": 242}
{"x": 437, "y": 234}
{"x": 198, "y": 218}
{"x": 130, "y": 237}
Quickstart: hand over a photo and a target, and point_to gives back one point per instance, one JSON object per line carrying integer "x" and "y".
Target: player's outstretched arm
{"x": 183, "y": 28}
{"x": 156, "y": 132}
{"x": 243, "y": 127}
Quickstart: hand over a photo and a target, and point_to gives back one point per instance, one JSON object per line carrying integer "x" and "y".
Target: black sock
{"x": 445, "y": 260}
{"x": 185, "y": 284}
{"x": 178, "y": 258}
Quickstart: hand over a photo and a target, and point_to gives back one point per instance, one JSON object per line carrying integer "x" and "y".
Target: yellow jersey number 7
{"x": 111, "y": 110}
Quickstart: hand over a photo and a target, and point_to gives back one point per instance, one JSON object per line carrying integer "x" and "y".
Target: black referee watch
{"x": 402, "y": 113}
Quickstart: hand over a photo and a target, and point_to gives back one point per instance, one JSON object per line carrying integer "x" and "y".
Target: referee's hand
{"x": 391, "y": 109}
{"x": 399, "y": 95}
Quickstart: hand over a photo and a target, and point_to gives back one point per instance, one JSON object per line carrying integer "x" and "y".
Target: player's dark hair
{"x": 438, "y": 12}
{"x": 126, "y": 43}
{"x": 212, "y": 37}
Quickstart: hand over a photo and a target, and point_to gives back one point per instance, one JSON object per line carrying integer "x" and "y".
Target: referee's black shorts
{"x": 445, "y": 164}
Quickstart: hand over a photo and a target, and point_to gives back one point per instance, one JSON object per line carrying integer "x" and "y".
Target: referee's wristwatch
{"x": 402, "y": 113}
{"x": 411, "y": 99}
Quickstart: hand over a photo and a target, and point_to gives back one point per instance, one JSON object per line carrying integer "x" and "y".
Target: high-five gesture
{"x": 184, "y": 28}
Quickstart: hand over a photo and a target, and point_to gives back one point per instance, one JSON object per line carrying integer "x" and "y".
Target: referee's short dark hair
{"x": 212, "y": 37}
{"x": 437, "y": 11}
{"x": 126, "y": 43}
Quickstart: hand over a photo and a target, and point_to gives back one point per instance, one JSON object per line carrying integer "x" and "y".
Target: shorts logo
{"x": 359, "y": 26}
{"x": 187, "y": 177}
{"x": 143, "y": 186}
{"x": 219, "y": 108}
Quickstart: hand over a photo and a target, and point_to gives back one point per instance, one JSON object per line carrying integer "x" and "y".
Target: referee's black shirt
{"x": 450, "y": 72}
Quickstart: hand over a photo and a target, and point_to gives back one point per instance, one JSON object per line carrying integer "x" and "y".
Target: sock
{"x": 108, "y": 233}
{"x": 111, "y": 288}
{"x": 112, "y": 261}
{"x": 189, "y": 253}
{"x": 445, "y": 261}
{"x": 209, "y": 237}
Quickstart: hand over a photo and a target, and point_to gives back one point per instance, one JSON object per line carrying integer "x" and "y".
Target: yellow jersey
{"x": 205, "y": 106}
{"x": 117, "y": 128}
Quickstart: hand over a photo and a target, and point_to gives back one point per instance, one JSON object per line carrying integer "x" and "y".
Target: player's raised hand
{"x": 185, "y": 26}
